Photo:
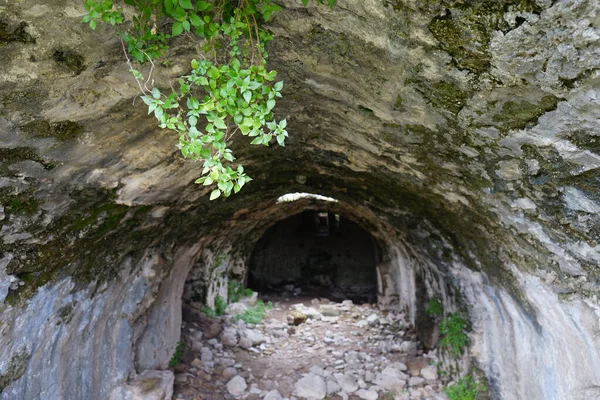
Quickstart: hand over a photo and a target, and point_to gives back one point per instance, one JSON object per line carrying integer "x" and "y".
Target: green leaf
{"x": 270, "y": 104}
{"x": 186, "y": 4}
{"x": 247, "y": 96}
{"x": 257, "y": 140}
{"x": 177, "y": 29}
{"x": 278, "y": 86}
{"x": 215, "y": 194}
{"x": 156, "y": 93}
{"x": 186, "y": 25}
{"x": 213, "y": 72}
{"x": 220, "y": 124}
{"x": 281, "y": 140}
{"x": 93, "y": 24}
{"x": 196, "y": 20}
{"x": 305, "y": 2}
{"x": 203, "y": 5}
{"x": 195, "y": 64}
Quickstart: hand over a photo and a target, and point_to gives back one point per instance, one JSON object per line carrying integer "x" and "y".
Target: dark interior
{"x": 320, "y": 252}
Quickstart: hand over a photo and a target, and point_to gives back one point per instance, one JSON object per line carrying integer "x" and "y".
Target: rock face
{"x": 462, "y": 135}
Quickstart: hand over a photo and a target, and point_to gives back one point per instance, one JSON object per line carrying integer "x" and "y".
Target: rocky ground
{"x": 340, "y": 351}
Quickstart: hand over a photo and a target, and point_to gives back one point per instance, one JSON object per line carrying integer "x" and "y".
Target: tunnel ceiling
{"x": 470, "y": 124}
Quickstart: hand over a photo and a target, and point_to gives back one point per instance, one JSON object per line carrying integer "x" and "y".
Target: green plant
{"x": 464, "y": 389}
{"x": 209, "y": 312}
{"x": 228, "y": 89}
{"x": 220, "y": 305}
{"x": 176, "y": 358}
{"x": 434, "y": 308}
{"x": 235, "y": 291}
{"x": 255, "y": 314}
{"x": 454, "y": 338}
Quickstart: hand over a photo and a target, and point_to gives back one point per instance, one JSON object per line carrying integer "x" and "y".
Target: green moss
{"x": 18, "y": 100}
{"x": 16, "y": 368}
{"x": 63, "y": 130}
{"x": 22, "y": 206}
{"x": 177, "y": 354}
{"x": 87, "y": 244}
{"x": 584, "y": 140}
{"x": 17, "y": 154}
{"x": 11, "y": 34}
{"x": 398, "y": 106}
{"x": 66, "y": 313}
{"x": 444, "y": 95}
{"x": 70, "y": 59}
{"x": 23, "y": 203}
{"x": 520, "y": 115}
{"x": 466, "y": 28}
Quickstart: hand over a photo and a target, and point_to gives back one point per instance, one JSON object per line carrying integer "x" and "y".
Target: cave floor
{"x": 342, "y": 351}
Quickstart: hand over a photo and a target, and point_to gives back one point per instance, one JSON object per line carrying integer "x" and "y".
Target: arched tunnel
{"x": 449, "y": 150}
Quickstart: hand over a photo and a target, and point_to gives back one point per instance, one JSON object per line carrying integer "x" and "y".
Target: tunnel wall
{"x": 389, "y": 107}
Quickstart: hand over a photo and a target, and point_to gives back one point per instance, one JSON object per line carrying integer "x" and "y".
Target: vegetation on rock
{"x": 454, "y": 339}
{"x": 228, "y": 89}
{"x": 464, "y": 389}
{"x": 255, "y": 314}
{"x": 176, "y": 358}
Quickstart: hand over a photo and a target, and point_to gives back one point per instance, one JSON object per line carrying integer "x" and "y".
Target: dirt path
{"x": 342, "y": 351}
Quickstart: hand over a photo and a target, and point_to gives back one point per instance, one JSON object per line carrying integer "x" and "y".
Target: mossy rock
{"x": 70, "y": 59}
{"x": 62, "y": 130}
{"x": 17, "y": 154}
{"x": 16, "y": 368}
{"x": 442, "y": 95}
{"x": 10, "y": 33}
{"x": 522, "y": 114}
{"x": 465, "y": 28}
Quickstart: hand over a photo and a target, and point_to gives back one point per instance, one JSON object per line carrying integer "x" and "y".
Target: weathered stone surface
{"x": 463, "y": 135}
{"x": 311, "y": 387}
{"x": 237, "y": 386}
{"x": 149, "y": 385}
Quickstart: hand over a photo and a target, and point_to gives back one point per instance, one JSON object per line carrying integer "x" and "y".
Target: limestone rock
{"x": 391, "y": 379}
{"x": 273, "y": 395}
{"x": 346, "y": 382}
{"x": 237, "y": 386}
{"x": 430, "y": 373}
{"x": 149, "y": 385}
{"x": 367, "y": 394}
{"x": 311, "y": 387}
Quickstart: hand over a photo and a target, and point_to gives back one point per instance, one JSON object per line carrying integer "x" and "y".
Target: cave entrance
{"x": 316, "y": 253}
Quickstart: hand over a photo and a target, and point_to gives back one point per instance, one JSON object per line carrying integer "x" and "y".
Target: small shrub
{"x": 255, "y": 314}
{"x": 235, "y": 291}
{"x": 220, "y": 305}
{"x": 464, "y": 389}
{"x": 453, "y": 338}
{"x": 209, "y": 312}
{"x": 434, "y": 308}
{"x": 176, "y": 358}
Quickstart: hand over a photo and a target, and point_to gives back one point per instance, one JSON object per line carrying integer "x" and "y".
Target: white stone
{"x": 311, "y": 387}
{"x": 367, "y": 394}
{"x": 237, "y": 386}
{"x": 429, "y": 373}
{"x": 149, "y": 385}
{"x": 273, "y": 395}
{"x": 391, "y": 379}
{"x": 229, "y": 336}
{"x": 229, "y": 373}
{"x": 346, "y": 382}
{"x": 332, "y": 387}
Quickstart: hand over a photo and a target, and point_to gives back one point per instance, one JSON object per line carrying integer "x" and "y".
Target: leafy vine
{"x": 228, "y": 89}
